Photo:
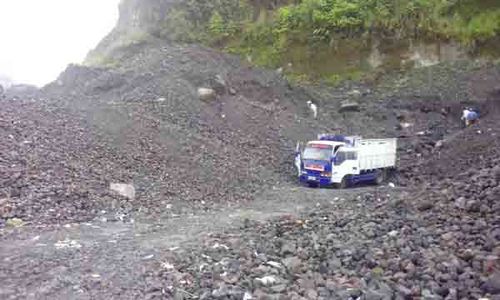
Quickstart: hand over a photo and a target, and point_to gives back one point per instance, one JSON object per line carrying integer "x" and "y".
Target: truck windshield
{"x": 318, "y": 153}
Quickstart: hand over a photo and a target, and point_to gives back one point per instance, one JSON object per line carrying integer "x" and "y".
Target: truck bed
{"x": 376, "y": 153}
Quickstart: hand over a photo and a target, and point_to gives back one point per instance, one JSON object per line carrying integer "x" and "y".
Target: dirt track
{"x": 123, "y": 254}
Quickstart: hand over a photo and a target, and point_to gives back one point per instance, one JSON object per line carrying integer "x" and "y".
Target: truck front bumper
{"x": 316, "y": 179}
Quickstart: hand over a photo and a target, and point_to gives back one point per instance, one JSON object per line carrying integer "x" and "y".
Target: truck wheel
{"x": 381, "y": 175}
{"x": 344, "y": 183}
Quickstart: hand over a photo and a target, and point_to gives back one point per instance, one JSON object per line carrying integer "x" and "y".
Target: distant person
{"x": 469, "y": 116}
{"x": 297, "y": 159}
{"x": 313, "y": 107}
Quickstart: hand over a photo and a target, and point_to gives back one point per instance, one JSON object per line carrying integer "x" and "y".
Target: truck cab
{"x": 321, "y": 161}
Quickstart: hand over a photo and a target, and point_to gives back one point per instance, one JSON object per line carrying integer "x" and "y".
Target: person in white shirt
{"x": 469, "y": 116}
{"x": 297, "y": 159}
{"x": 313, "y": 107}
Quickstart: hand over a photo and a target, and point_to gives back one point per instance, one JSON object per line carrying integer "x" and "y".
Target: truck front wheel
{"x": 343, "y": 184}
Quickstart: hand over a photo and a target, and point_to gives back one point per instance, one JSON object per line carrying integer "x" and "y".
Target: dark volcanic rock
{"x": 492, "y": 284}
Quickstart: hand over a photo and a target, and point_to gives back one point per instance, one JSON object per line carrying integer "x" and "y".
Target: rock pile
{"x": 52, "y": 168}
{"x": 439, "y": 242}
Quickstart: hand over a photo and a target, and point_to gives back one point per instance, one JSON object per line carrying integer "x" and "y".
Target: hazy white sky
{"x": 38, "y": 38}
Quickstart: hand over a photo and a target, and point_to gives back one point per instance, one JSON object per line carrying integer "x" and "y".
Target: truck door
{"x": 345, "y": 163}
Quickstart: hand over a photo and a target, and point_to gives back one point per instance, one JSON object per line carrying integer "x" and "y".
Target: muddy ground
{"x": 217, "y": 212}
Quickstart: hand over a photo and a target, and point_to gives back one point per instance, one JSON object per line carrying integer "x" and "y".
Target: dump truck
{"x": 343, "y": 161}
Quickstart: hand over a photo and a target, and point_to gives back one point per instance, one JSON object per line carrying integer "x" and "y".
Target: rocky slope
{"x": 143, "y": 123}
{"x": 441, "y": 242}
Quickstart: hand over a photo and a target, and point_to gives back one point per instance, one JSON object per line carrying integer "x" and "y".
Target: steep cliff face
{"x": 136, "y": 21}
{"x": 178, "y": 21}
{"x": 144, "y": 14}
{"x": 150, "y": 15}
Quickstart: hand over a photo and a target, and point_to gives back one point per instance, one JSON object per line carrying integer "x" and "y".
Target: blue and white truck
{"x": 345, "y": 160}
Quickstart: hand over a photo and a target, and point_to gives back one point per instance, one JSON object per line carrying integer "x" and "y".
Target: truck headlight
{"x": 326, "y": 174}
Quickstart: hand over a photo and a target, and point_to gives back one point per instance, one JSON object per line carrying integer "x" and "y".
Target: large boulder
{"x": 206, "y": 94}
{"x": 356, "y": 94}
{"x": 349, "y": 105}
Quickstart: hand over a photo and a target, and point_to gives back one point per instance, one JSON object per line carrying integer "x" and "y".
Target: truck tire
{"x": 343, "y": 184}
{"x": 381, "y": 176}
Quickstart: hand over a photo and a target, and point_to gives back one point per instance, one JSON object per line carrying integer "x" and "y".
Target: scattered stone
{"x": 311, "y": 294}
{"x": 348, "y": 105}
{"x": 355, "y": 93}
{"x": 220, "y": 246}
{"x": 447, "y": 236}
{"x": 125, "y": 190}
{"x": 292, "y": 263}
{"x": 492, "y": 284}
{"x": 67, "y": 244}
{"x": 378, "y": 271}
{"x": 280, "y": 288}
{"x": 221, "y": 292}
{"x": 14, "y": 222}
{"x": 425, "y": 205}
{"x": 460, "y": 202}
{"x": 472, "y": 206}
{"x": 274, "y": 264}
{"x": 405, "y": 125}
{"x": 393, "y": 233}
{"x": 206, "y": 94}
{"x": 288, "y": 247}
{"x": 267, "y": 280}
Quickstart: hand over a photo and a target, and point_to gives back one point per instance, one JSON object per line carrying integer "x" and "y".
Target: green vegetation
{"x": 298, "y": 30}
{"x": 309, "y": 33}
{"x": 469, "y": 20}
{"x": 322, "y": 20}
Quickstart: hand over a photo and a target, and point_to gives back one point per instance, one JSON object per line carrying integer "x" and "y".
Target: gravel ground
{"x": 217, "y": 213}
